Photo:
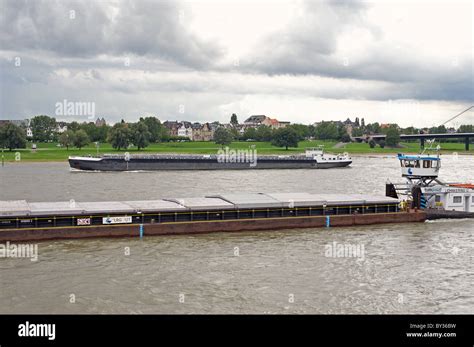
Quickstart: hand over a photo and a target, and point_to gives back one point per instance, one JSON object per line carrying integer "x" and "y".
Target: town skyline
{"x": 463, "y": 120}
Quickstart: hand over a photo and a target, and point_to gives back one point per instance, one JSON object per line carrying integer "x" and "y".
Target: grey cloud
{"x": 308, "y": 46}
{"x": 143, "y": 28}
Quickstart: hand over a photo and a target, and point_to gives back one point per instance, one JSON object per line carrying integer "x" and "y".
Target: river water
{"x": 401, "y": 268}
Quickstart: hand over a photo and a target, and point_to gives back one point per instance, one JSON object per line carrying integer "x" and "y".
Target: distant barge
{"x": 313, "y": 158}
{"x": 20, "y": 220}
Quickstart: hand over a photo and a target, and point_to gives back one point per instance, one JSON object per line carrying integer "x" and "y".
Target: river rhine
{"x": 406, "y": 268}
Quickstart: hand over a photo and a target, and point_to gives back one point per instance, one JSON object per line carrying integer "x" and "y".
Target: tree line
{"x": 44, "y": 128}
{"x": 150, "y": 130}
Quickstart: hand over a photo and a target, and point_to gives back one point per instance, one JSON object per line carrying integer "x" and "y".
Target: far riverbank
{"x": 50, "y": 152}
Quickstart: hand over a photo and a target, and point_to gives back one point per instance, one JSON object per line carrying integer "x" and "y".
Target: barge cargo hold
{"x": 312, "y": 159}
{"x": 20, "y": 220}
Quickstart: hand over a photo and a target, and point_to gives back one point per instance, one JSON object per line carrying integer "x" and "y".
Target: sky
{"x": 409, "y": 62}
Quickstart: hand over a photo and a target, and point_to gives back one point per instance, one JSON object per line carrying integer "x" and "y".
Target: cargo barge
{"x": 313, "y": 158}
{"x": 21, "y": 220}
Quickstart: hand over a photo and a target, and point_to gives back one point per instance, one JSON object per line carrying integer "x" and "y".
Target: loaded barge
{"x": 20, "y": 220}
{"x": 313, "y": 158}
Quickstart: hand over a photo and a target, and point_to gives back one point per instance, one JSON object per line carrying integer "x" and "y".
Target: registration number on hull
{"x": 117, "y": 220}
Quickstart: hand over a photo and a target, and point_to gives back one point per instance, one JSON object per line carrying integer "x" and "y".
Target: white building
{"x": 61, "y": 127}
{"x": 185, "y": 130}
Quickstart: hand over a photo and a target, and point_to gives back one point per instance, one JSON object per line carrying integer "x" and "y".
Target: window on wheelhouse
{"x": 426, "y": 164}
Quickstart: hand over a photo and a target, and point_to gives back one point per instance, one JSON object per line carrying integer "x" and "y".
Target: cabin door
{"x": 466, "y": 203}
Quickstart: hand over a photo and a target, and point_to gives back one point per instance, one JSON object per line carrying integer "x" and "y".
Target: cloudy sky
{"x": 409, "y": 62}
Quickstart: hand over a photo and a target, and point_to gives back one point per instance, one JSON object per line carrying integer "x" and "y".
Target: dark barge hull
{"x": 169, "y": 163}
{"x": 199, "y": 227}
{"x": 433, "y": 214}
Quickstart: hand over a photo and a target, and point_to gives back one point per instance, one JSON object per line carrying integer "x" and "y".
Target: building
{"x": 257, "y": 120}
{"x": 203, "y": 132}
{"x": 100, "y": 122}
{"x": 185, "y": 129}
{"x": 172, "y": 127}
{"x": 389, "y": 125}
{"x": 61, "y": 127}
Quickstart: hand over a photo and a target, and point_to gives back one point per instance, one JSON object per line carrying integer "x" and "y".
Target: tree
{"x": 66, "y": 139}
{"x": 101, "y": 134}
{"x": 234, "y": 133}
{"x": 81, "y": 139}
{"x": 140, "y": 136}
{"x": 312, "y": 130}
{"x": 466, "y": 128}
{"x": 156, "y": 129}
{"x": 438, "y": 130}
{"x": 12, "y": 136}
{"x": 382, "y": 144}
{"x": 233, "y": 120}
{"x": 346, "y": 138}
{"x": 362, "y": 123}
{"x": 263, "y": 133}
{"x": 357, "y": 132}
{"x": 119, "y": 136}
{"x": 74, "y": 126}
{"x": 249, "y": 134}
{"x": 410, "y": 130}
{"x": 43, "y": 127}
{"x": 302, "y": 130}
{"x": 373, "y": 128}
{"x": 327, "y": 131}
{"x": 285, "y": 137}
{"x": 222, "y": 137}
{"x": 91, "y": 130}
{"x": 393, "y": 137}
{"x": 372, "y": 143}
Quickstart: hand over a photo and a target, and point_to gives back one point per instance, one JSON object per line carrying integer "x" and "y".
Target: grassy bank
{"x": 50, "y": 152}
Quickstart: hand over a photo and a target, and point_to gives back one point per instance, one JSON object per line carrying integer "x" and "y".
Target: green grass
{"x": 50, "y": 152}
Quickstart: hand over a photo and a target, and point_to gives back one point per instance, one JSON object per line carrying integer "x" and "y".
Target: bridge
{"x": 421, "y": 137}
